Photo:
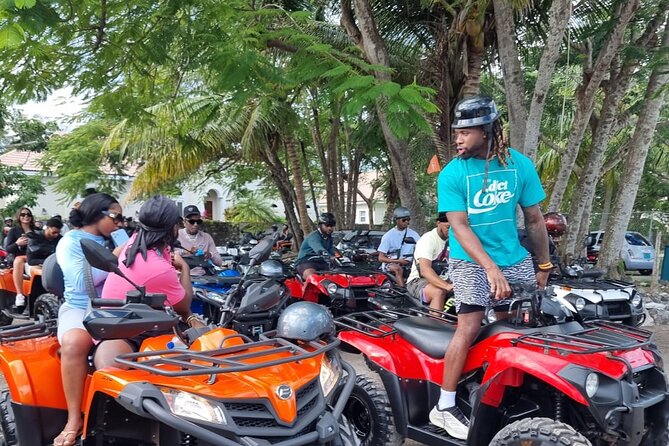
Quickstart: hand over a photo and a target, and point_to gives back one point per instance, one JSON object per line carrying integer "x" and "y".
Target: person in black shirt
{"x": 16, "y": 245}
{"x": 42, "y": 244}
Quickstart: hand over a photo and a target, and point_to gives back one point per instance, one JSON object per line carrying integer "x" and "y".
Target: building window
{"x": 362, "y": 216}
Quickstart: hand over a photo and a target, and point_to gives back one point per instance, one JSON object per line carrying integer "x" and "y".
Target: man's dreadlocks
{"x": 497, "y": 148}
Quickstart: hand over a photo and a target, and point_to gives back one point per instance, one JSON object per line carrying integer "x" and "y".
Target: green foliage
{"x": 252, "y": 210}
{"x": 21, "y": 189}
{"x": 76, "y": 160}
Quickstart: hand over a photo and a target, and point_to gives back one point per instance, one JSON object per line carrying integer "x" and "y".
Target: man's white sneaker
{"x": 452, "y": 420}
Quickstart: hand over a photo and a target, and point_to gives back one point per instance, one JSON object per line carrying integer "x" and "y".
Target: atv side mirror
{"x": 99, "y": 257}
{"x": 409, "y": 241}
{"x": 260, "y": 252}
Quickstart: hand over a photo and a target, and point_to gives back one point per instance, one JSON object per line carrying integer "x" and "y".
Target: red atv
{"x": 538, "y": 377}
{"x": 343, "y": 288}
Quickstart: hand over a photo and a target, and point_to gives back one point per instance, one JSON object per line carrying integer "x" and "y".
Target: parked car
{"x": 637, "y": 252}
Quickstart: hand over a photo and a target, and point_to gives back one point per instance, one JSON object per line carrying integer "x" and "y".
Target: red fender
{"x": 511, "y": 364}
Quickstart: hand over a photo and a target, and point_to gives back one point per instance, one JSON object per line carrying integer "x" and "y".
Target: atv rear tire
{"x": 369, "y": 411}
{"x": 537, "y": 432}
{"x": 7, "y": 422}
{"x": 46, "y": 307}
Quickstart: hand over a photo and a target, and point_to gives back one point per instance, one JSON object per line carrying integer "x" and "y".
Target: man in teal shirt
{"x": 480, "y": 190}
{"x": 315, "y": 246}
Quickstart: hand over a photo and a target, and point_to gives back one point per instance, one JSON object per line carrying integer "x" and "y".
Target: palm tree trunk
{"x": 367, "y": 37}
{"x": 511, "y": 70}
{"x": 634, "y": 164}
{"x": 475, "y": 51}
{"x": 558, "y": 18}
{"x": 298, "y": 181}
{"x": 586, "y": 101}
{"x": 606, "y": 207}
{"x": 310, "y": 179}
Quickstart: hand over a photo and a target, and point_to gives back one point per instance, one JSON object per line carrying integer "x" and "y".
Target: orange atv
{"x": 211, "y": 388}
{"x": 42, "y": 305}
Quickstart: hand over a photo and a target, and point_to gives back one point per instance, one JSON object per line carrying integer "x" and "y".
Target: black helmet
{"x": 556, "y": 224}
{"x": 327, "y": 218}
{"x": 475, "y": 111}
{"x": 401, "y": 212}
{"x": 272, "y": 269}
{"x": 305, "y": 321}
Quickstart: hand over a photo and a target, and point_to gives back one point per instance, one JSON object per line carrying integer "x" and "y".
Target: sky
{"x": 60, "y": 106}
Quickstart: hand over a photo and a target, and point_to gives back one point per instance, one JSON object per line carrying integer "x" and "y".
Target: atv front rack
{"x": 262, "y": 353}
{"x": 598, "y": 336}
{"x": 379, "y": 323}
{"x": 28, "y": 330}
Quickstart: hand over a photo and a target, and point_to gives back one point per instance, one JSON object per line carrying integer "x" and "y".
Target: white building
{"x": 211, "y": 198}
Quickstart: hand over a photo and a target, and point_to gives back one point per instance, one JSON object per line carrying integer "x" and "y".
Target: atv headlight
{"x": 579, "y": 304}
{"x": 332, "y": 288}
{"x": 187, "y": 405}
{"x": 331, "y": 371}
{"x": 591, "y": 384}
{"x": 637, "y": 300}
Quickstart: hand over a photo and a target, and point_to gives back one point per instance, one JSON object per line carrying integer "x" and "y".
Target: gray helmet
{"x": 327, "y": 218}
{"x": 272, "y": 269}
{"x": 475, "y": 111}
{"x": 305, "y": 321}
{"x": 401, "y": 212}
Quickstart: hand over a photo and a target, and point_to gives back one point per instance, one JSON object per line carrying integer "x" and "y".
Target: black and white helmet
{"x": 327, "y": 218}
{"x": 475, "y": 111}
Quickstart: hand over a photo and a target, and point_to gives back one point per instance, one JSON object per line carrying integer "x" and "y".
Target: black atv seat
{"x": 432, "y": 336}
{"x": 428, "y": 335}
{"x": 52, "y": 276}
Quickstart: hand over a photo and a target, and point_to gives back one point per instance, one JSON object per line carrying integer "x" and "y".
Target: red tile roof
{"x": 29, "y": 161}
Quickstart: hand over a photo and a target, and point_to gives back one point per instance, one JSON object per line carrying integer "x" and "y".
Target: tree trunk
{"x": 634, "y": 164}
{"x": 280, "y": 177}
{"x": 558, "y": 18}
{"x": 475, "y": 50}
{"x": 367, "y": 37}
{"x": 511, "y": 70}
{"x": 586, "y": 101}
{"x": 606, "y": 207}
{"x": 298, "y": 181}
{"x": 587, "y": 185}
{"x": 314, "y": 200}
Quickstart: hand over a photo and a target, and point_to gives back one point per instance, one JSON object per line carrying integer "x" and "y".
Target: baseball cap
{"x": 190, "y": 210}
{"x": 442, "y": 217}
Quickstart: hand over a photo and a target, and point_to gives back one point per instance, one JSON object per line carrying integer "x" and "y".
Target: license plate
{"x": 646, "y": 255}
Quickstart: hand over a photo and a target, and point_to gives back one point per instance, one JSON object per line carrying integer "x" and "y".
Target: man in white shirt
{"x": 394, "y": 252}
{"x": 430, "y": 287}
{"x": 195, "y": 241}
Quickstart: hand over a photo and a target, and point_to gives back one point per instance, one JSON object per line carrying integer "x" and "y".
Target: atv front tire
{"x": 537, "y": 432}
{"x": 46, "y": 307}
{"x": 7, "y": 422}
{"x": 347, "y": 436}
{"x": 369, "y": 411}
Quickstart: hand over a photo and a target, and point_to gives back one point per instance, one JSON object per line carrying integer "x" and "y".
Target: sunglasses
{"x": 195, "y": 222}
{"x": 117, "y": 218}
{"x": 405, "y": 219}
{"x": 25, "y": 214}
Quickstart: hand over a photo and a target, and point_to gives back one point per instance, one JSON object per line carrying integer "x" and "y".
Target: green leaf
{"x": 390, "y": 89}
{"x": 336, "y": 71}
{"x": 25, "y": 4}
{"x": 11, "y": 36}
{"x": 319, "y": 48}
{"x": 354, "y": 83}
{"x": 410, "y": 95}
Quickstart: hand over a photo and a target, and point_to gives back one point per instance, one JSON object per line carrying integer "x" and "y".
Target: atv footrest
{"x": 433, "y": 435}
{"x": 28, "y": 330}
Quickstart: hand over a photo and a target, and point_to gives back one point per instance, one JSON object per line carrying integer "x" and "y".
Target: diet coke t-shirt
{"x": 491, "y": 208}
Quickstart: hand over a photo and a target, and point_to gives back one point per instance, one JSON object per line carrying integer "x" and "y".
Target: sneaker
{"x": 452, "y": 420}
